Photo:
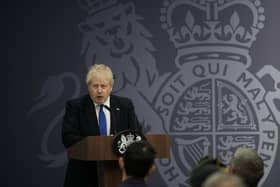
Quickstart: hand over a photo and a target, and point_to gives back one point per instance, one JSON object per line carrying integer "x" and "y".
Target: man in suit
{"x": 136, "y": 164}
{"x": 95, "y": 114}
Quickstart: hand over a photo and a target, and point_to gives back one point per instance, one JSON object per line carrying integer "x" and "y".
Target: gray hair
{"x": 247, "y": 164}
{"x": 220, "y": 179}
{"x": 100, "y": 69}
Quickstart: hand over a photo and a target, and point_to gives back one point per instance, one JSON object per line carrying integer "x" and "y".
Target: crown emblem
{"x": 212, "y": 29}
{"x": 123, "y": 139}
{"x": 95, "y": 6}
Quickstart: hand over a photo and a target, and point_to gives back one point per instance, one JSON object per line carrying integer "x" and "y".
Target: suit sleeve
{"x": 70, "y": 126}
{"x": 133, "y": 120}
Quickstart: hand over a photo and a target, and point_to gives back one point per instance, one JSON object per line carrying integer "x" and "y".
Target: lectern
{"x": 99, "y": 148}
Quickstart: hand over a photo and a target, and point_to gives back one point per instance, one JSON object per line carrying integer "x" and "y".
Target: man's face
{"x": 99, "y": 88}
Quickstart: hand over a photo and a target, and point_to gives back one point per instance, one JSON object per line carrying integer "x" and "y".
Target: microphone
{"x": 108, "y": 108}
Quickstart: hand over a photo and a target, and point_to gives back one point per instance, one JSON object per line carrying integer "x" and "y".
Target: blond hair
{"x": 102, "y": 69}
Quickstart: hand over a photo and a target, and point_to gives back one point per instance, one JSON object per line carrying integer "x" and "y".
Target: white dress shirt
{"x": 107, "y": 114}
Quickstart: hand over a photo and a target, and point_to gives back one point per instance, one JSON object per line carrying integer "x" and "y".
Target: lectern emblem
{"x": 123, "y": 139}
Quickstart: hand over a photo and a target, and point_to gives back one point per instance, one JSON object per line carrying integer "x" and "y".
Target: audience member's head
{"x": 247, "y": 164}
{"x": 138, "y": 160}
{"x": 206, "y": 166}
{"x": 223, "y": 180}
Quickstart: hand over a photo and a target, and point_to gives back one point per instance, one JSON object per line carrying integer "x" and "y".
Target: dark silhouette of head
{"x": 206, "y": 167}
{"x": 138, "y": 160}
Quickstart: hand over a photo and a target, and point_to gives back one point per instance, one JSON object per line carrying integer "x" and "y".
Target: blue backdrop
{"x": 205, "y": 72}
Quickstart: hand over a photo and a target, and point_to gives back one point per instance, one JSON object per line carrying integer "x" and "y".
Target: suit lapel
{"x": 91, "y": 116}
{"x": 115, "y": 115}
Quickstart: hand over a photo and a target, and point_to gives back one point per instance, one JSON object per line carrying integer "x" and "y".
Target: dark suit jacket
{"x": 132, "y": 182}
{"x": 79, "y": 121}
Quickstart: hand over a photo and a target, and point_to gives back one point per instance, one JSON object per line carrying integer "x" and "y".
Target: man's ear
{"x": 121, "y": 163}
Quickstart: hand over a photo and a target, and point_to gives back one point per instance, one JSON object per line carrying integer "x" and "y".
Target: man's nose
{"x": 99, "y": 88}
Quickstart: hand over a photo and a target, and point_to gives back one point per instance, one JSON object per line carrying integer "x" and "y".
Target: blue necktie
{"x": 102, "y": 122}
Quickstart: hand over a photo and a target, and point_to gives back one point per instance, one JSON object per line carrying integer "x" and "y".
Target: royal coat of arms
{"x": 212, "y": 103}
